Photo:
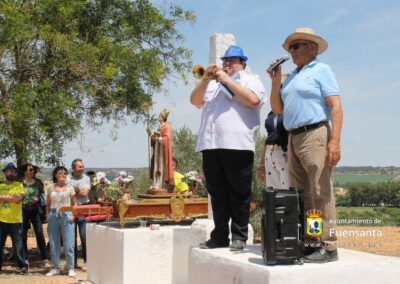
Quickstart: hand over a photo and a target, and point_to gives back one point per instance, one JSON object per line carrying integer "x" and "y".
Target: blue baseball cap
{"x": 9, "y": 166}
{"x": 234, "y": 51}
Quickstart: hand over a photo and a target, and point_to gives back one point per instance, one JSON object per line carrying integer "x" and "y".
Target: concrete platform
{"x": 247, "y": 267}
{"x": 140, "y": 255}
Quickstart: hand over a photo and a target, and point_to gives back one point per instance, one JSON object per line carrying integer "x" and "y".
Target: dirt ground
{"x": 37, "y": 270}
{"x": 378, "y": 240}
{"x": 383, "y": 240}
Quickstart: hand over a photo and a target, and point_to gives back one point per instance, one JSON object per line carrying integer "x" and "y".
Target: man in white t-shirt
{"x": 81, "y": 184}
{"x": 231, "y": 100}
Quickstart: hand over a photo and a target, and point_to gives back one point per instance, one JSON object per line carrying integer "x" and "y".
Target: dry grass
{"x": 384, "y": 241}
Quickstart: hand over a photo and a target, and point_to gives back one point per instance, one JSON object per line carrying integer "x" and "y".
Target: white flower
{"x": 122, "y": 174}
{"x": 100, "y": 175}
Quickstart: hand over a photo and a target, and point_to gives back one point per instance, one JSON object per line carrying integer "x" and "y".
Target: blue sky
{"x": 364, "y": 42}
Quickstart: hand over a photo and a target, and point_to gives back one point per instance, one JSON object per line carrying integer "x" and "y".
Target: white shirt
{"x": 81, "y": 182}
{"x": 60, "y": 199}
{"x": 226, "y": 123}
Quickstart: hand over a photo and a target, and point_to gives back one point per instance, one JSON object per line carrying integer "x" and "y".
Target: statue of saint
{"x": 161, "y": 171}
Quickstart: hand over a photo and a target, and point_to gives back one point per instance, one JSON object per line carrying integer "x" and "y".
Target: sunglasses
{"x": 296, "y": 45}
{"x": 29, "y": 170}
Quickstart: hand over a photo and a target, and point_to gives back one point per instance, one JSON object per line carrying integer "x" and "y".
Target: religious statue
{"x": 161, "y": 171}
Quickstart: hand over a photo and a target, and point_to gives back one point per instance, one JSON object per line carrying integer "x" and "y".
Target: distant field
{"x": 342, "y": 178}
{"x": 385, "y": 216}
{"x": 339, "y": 178}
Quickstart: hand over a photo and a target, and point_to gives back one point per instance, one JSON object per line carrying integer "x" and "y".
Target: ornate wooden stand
{"x": 175, "y": 207}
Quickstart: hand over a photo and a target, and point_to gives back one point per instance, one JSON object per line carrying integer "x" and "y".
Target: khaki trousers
{"x": 309, "y": 170}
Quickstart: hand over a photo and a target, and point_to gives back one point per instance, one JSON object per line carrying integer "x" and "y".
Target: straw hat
{"x": 306, "y": 34}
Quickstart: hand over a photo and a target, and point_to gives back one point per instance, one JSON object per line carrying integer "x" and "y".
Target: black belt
{"x": 305, "y": 128}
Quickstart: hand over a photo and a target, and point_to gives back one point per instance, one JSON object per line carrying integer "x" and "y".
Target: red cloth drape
{"x": 166, "y": 136}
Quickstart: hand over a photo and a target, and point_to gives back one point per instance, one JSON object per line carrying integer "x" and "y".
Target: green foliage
{"x": 111, "y": 192}
{"x": 371, "y": 194}
{"x": 376, "y": 216}
{"x": 258, "y": 185}
{"x": 347, "y": 178}
{"x": 2, "y": 178}
{"x": 343, "y": 200}
{"x": 66, "y": 62}
{"x": 142, "y": 181}
{"x": 184, "y": 144}
{"x": 257, "y": 189}
{"x": 255, "y": 221}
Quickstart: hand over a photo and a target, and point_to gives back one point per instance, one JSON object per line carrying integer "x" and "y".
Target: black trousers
{"x": 15, "y": 232}
{"x": 33, "y": 216}
{"x": 228, "y": 176}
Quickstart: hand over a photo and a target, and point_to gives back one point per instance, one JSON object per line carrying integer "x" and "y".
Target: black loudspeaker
{"x": 282, "y": 235}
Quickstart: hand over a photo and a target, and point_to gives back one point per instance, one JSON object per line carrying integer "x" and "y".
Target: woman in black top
{"x": 33, "y": 211}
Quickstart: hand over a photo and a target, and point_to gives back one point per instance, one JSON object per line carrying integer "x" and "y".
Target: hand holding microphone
{"x": 278, "y": 62}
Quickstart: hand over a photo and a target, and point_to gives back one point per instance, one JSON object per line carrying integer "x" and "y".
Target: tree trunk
{"x": 20, "y": 154}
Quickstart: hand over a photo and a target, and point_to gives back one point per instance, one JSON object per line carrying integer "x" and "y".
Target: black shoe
{"x": 237, "y": 245}
{"x": 321, "y": 255}
{"x": 211, "y": 244}
{"x": 310, "y": 248}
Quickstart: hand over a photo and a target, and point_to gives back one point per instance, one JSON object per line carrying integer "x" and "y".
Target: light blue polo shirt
{"x": 303, "y": 94}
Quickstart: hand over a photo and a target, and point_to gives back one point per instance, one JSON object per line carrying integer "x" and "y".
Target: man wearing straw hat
{"x": 310, "y": 99}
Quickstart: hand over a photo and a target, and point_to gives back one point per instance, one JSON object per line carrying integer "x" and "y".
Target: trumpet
{"x": 199, "y": 71}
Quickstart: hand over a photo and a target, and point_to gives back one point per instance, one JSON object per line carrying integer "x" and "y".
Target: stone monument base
{"x": 223, "y": 266}
{"x": 140, "y": 255}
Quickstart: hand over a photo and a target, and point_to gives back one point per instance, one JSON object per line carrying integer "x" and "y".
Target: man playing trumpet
{"x": 231, "y": 100}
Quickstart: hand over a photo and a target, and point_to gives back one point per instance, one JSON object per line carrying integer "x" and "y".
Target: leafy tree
{"x": 258, "y": 185}
{"x": 343, "y": 200}
{"x": 184, "y": 144}
{"x": 69, "y": 63}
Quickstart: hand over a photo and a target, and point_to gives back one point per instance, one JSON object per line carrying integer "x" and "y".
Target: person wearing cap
{"x": 309, "y": 100}
{"x": 230, "y": 100}
{"x": 11, "y": 195}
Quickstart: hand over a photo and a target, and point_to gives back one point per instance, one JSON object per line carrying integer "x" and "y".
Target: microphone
{"x": 277, "y": 63}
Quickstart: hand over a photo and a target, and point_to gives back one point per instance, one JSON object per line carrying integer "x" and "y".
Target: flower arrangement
{"x": 115, "y": 190}
{"x": 193, "y": 179}
{"x": 100, "y": 180}
{"x": 123, "y": 179}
